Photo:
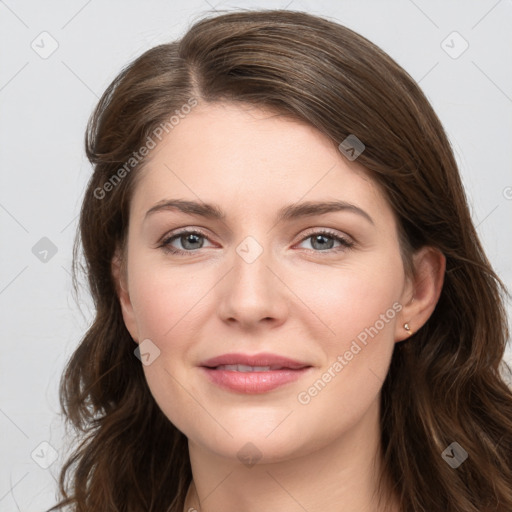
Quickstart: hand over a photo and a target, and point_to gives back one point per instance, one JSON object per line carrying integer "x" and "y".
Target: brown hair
{"x": 444, "y": 382}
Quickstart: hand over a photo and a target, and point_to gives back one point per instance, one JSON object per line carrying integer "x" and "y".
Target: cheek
{"x": 346, "y": 301}
{"x": 361, "y": 311}
{"x": 165, "y": 301}
{"x": 167, "y": 304}
{"x": 360, "y": 307}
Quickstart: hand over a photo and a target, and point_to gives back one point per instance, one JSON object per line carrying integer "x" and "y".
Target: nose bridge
{"x": 252, "y": 292}
{"x": 251, "y": 274}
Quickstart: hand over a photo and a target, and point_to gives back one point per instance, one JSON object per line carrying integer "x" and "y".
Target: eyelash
{"x": 165, "y": 245}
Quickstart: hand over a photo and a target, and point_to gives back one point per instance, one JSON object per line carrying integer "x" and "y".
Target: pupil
{"x": 188, "y": 237}
{"x": 319, "y": 238}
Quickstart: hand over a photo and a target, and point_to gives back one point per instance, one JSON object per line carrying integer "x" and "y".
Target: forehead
{"x": 249, "y": 158}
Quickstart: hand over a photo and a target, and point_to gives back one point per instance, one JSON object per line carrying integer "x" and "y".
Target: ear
{"x": 422, "y": 291}
{"x": 120, "y": 276}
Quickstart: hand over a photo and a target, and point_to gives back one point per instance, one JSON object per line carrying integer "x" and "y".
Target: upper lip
{"x": 262, "y": 359}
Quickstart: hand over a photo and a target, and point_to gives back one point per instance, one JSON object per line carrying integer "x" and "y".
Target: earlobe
{"x": 121, "y": 283}
{"x": 424, "y": 291}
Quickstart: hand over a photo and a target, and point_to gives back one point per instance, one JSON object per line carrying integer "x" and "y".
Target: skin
{"x": 297, "y": 299}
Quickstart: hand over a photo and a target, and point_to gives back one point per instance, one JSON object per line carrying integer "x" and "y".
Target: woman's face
{"x": 258, "y": 281}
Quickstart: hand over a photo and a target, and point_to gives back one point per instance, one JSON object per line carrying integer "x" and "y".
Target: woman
{"x": 334, "y": 340}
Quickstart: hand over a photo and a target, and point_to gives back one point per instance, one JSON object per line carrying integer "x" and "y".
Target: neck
{"x": 340, "y": 475}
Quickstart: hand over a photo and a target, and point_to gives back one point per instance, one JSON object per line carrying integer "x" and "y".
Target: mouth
{"x": 246, "y": 368}
{"x": 240, "y": 378}
{"x": 264, "y": 361}
{"x": 253, "y": 373}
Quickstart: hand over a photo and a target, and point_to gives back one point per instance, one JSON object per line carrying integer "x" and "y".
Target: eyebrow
{"x": 292, "y": 211}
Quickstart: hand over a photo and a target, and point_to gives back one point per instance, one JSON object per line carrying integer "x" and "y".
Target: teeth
{"x": 245, "y": 368}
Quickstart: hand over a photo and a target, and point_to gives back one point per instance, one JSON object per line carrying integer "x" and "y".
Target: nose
{"x": 252, "y": 292}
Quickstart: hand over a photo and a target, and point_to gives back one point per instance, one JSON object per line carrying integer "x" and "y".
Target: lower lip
{"x": 253, "y": 382}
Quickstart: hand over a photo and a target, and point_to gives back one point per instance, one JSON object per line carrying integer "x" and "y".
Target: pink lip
{"x": 263, "y": 359}
{"x": 254, "y": 382}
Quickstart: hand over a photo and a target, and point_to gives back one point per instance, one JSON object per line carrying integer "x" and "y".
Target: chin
{"x": 256, "y": 443}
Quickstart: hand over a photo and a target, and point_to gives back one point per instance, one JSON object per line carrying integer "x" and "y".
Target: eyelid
{"x": 329, "y": 231}
{"x": 347, "y": 242}
{"x": 165, "y": 241}
{"x": 182, "y": 231}
{"x": 194, "y": 229}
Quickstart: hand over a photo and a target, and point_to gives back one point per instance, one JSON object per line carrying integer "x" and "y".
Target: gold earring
{"x": 408, "y": 329}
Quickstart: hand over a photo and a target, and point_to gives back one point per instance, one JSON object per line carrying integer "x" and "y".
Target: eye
{"x": 191, "y": 241}
{"x": 320, "y": 240}
{"x": 188, "y": 238}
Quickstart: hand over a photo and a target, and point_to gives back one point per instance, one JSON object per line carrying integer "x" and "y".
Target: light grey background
{"x": 45, "y": 104}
